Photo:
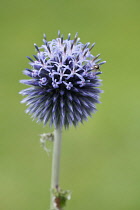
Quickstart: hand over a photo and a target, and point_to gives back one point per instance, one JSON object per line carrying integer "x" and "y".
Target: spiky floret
{"x": 64, "y": 85}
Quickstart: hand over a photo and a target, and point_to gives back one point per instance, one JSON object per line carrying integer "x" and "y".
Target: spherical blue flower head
{"x": 64, "y": 82}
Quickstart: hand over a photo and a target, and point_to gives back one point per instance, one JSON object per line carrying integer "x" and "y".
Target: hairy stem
{"x": 55, "y": 164}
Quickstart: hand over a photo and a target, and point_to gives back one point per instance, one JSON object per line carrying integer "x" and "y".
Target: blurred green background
{"x": 100, "y": 161}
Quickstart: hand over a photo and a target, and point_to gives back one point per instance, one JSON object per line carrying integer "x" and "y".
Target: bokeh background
{"x": 100, "y": 161}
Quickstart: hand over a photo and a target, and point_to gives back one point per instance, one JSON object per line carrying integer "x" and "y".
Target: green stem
{"x": 55, "y": 163}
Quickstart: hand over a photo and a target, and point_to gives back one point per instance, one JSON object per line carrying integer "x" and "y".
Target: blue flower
{"x": 64, "y": 82}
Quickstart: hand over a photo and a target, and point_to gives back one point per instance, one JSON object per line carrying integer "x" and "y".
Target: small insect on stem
{"x": 97, "y": 67}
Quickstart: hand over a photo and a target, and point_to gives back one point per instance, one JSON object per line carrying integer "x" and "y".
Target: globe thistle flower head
{"x": 64, "y": 82}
